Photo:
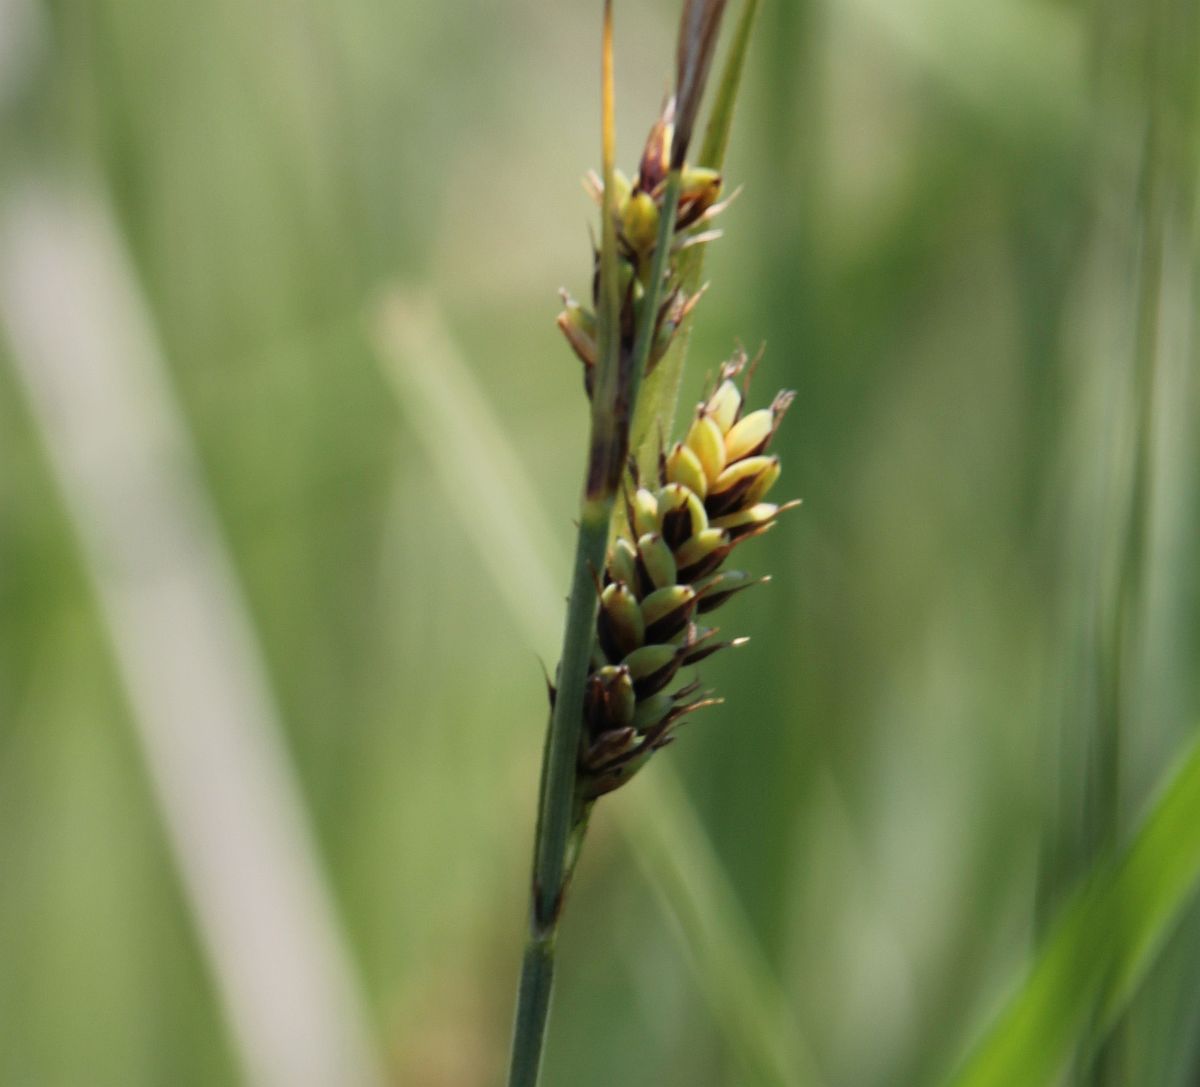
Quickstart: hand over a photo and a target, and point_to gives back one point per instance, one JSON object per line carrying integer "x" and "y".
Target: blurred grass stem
{"x": 184, "y": 646}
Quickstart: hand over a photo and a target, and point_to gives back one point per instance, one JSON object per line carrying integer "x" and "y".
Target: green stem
{"x": 647, "y": 325}
{"x": 557, "y": 815}
{"x": 562, "y": 820}
{"x": 533, "y": 1006}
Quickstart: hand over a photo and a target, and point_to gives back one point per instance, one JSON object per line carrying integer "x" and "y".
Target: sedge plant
{"x": 653, "y": 540}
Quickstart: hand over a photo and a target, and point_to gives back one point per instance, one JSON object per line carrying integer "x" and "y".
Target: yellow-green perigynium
{"x": 665, "y": 575}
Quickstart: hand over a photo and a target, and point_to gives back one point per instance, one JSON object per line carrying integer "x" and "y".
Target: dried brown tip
{"x": 732, "y": 366}
{"x": 752, "y": 366}
{"x": 698, "y": 30}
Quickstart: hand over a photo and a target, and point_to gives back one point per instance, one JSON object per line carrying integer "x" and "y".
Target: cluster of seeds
{"x": 659, "y": 582}
{"x": 637, "y": 205}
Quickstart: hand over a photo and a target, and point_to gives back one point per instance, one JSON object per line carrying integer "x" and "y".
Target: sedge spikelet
{"x": 637, "y": 209}
{"x": 665, "y": 577}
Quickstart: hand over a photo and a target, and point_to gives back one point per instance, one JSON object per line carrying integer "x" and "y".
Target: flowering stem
{"x": 562, "y": 816}
{"x": 562, "y": 811}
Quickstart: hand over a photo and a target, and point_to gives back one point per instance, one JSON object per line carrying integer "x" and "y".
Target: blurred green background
{"x": 967, "y": 238}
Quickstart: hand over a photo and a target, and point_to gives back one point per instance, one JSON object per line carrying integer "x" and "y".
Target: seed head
{"x": 707, "y": 499}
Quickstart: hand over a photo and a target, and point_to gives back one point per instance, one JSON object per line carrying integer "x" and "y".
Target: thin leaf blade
{"x": 1081, "y": 968}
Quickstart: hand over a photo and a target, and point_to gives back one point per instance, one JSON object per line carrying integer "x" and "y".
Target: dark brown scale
{"x": 602, "y": 714}
{"x": 749, "y": 530}
{"x": 677, "y": 527}
{"x": 707, "y": 649}
{"x": 704, "y": 566}
{"x": 662, "y": 630}
{"x": 608, "y": 638}
{"x": 699, "y": 645}
{"x": 609, "y": 747}
{"x": 595, "y": 707}
{"x": 712, "y": 601}
{"x": 619, "y": 770}
{"x": 645, "y": 585}
{"x": 656, "y": 681}
{"x": 728, "y": 501}
{"x": 689, "y": 213}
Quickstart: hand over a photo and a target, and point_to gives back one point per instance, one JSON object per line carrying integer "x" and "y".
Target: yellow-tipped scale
{"x": 701, "y": 546}
{"x": 645, "y": 512}
{"x": 724, "y": 405}
{"x": 749, "y": 435}
{"x": 683, "y": 466}
{"x": 748, "y": 480}
{"x": 706, "y": 439}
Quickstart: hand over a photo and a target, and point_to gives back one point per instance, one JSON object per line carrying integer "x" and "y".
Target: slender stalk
{"x": 560, "y": 811}
{"x": 562, "y": 818}
{"x": 557, "y": 814}
{"x": 533, "y": 1006}
{"x": 645, "y": 333}
{"x": 557, "y": 807}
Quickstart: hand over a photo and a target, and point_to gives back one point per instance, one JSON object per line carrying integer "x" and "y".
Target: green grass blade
{"x": 720, "y": 120}
{"x": 1081, "y": 969}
